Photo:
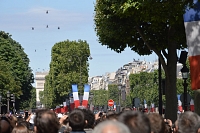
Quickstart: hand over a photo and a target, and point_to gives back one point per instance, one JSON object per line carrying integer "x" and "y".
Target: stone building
{"x": 39, "y": 81}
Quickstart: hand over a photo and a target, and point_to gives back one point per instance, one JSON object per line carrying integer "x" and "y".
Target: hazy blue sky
{"x": 75, "y": 19}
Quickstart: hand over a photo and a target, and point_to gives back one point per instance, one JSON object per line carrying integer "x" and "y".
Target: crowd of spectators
{"x": 85, "y": 121}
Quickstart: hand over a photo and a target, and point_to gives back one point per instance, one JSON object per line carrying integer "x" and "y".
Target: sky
{"x": 75, "y": 18}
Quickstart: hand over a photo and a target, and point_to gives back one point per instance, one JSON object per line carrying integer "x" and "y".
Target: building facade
{"x": 39, "y": 81}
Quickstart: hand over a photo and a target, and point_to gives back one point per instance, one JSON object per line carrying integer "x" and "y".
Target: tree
{"x": 69, "y": 65}
{"x": 48, "y": 93}
{"x": 42, "y": 97}
{"x": 13, "y": 54}
{"x": 145, "y": 87}
{"x": 100, "y": 97}
{"x": 113, "y": 93}
{"x": 7, "y": 81}
{"x": 32, "y": 104}
{"x": 146, "y": 27}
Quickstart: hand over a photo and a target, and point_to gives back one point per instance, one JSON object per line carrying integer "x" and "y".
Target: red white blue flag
{"x": 86, "y": 95}
{"x": 75, "y": 95}
{"x": 192, "y": 30}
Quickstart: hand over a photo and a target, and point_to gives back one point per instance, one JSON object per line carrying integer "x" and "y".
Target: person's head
{"x": 20, "y": 129}
{"x": 89, "y": 117}
{"x": 24, "y": 123}
{"x": 5, "y": 125}
{"x": 136, "y": 121}
{"x": 111, "y": 115}
{"x": 76, "y": 120}
{"x": 188, "y": 122}
{"x": 46, "y": 121}
{"x": 126, "y": 109}
{"x": 109, "y": 126}
{"x": 157, "y": 123}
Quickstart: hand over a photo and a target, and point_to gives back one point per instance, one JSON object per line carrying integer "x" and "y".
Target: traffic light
{"x": 12, "y": 98}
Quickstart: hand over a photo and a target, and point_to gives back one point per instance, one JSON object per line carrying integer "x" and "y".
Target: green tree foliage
{"x": 146, "y": 27}
{"x": 69, "y": 65}
{"x": 113, "y": 93}
{"x": 13, "y": 54}
{"x": 145, "y": 87}
{"x": 32, "y": 104}
{"x": 48, "y": 93}
{"x": 100, "y": 97}
{"x": 7, "y": 81}
{"x": 42, "y": 97}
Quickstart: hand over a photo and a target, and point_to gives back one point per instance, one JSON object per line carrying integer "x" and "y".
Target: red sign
{"x": 110, "y": 102}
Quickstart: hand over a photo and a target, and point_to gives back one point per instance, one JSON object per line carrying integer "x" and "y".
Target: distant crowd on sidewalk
{"x": 81, "y": 120}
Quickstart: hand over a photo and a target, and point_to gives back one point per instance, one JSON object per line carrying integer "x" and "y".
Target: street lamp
{"x": 12, "y": 98}
{"x": 185, "y": 72}
{"x": 91, "y": 99}
{"x": 119, "y": 88}
{"x": 0, "y": 103}
{"x": 8, "y": 100}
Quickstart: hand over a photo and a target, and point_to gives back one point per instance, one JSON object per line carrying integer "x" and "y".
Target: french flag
{"x": 86, "y": 95}
{"x": 114, "y": 106}
{"x": 180, "y": 108}
{"x": 75, "y": 95}
{"x": 192, "y": 105}
{"x": 72, "y": 105}
{"x": 192, "y": 30}
{"x": 152, "y": 107}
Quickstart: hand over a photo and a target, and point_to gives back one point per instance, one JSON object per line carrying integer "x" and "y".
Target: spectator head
{"x": 188, "y": 122}
{"x": 136, "y": 121}
{"x": 77, "y": 120}
{"x": 89, "y": 117}
{"x": 157, "y": 123}
{"x": 46, "y": 121}
{"x": 110, "y": 126}
{"x": 111, "y": 115}
{"x": 126, "y": 109}
{"x": 24, "y": 123}
{"x": 20, "y": 129}
{"x": 5, "y": 125}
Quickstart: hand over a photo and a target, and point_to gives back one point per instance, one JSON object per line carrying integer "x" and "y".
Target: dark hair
{"x": 77, "y": 120}
{"x": 111, "y": 115}
{"x": 136, "y": 121}
{"x": 7, "y": 128}
{"x": 24, "y": 123}
{"x": 89, "y": 116}
{"x": 46, "y": 121}
{"x": 126, "y": 109}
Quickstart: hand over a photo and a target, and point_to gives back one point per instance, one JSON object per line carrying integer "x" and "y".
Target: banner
{"x": 86, "y": 95}
{"x": 192, "y": 30}
{"x": 75, "y": 95}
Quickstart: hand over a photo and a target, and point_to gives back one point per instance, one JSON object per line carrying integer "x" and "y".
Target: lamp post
{"x": 8, "y": 100}
{"x": 68, "y": 101}
{"x": 185, "y": 72}
{"x": 91, "y": 99}
{"x": 0, "y": 103}
{"x": 13, "y": 100}
{"x": 119, "y": 88}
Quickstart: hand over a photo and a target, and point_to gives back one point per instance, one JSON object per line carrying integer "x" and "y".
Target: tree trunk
{"x": 171, "y": 90}
{"x": 197, "y": 101}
